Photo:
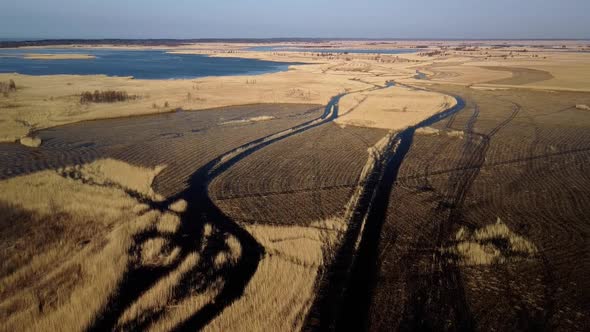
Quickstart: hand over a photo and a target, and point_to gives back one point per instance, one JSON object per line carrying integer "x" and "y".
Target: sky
{"x": 437, "y": 19}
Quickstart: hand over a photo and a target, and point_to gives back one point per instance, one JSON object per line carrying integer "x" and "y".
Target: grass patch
{"x": 249, "y": 120}
{"x": 7, "y": 87}
{"x": 31, "y": 141}
{"x": 492, "y": 244}
{"x": 280, "y": 293}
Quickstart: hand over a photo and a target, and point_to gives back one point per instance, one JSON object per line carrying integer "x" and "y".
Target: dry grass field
{"x": 446, "y": 189}
{"x": 64, "y": 247}
{"x": 393, "y": 109}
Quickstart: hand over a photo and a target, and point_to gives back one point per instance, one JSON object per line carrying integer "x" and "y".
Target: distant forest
{"x": 154, "y": 42}
{"x": 180, "y": 42}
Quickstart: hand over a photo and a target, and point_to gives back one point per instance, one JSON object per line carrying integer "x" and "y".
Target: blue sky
{"x": 302, "y": 18}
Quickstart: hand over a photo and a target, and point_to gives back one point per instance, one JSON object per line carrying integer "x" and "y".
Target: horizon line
{"x": 33, "y": 39}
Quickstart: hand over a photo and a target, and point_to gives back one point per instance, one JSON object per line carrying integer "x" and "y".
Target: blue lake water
{"x": 151, "y": 64}
{"x": 331, "y": 50}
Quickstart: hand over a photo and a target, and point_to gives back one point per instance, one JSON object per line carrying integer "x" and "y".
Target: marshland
{"x": 288, "y": 184}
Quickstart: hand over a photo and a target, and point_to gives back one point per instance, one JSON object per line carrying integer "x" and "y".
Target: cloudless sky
{"x": 294, "y": 18}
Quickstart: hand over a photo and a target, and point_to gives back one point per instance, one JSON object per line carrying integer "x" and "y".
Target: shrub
{"x": 108, "y": 96}
{"x": 7, "y": 87}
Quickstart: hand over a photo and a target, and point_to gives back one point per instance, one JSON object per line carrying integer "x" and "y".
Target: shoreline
{"x": 313, "y": 79}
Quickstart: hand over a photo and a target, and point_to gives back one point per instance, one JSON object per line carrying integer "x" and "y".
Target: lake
{"x": 144, "y": 64}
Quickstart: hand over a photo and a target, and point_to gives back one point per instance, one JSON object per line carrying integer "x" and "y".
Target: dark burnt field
{"x": 183, "y": 141}
{"x": 305, "y": 178}
{"x": 489, "y": 230}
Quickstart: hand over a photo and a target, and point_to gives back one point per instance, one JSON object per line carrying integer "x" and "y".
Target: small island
{"x": 45, "y": 56}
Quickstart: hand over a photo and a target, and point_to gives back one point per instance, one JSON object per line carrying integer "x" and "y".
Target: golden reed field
{"x": 446, "y": 188}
